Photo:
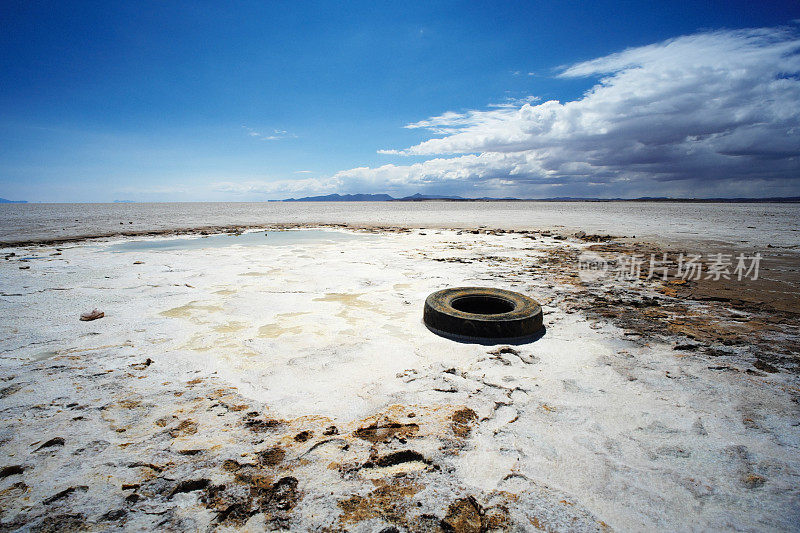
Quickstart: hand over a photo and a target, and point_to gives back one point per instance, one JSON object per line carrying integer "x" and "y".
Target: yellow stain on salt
{"x": 79, "y": 350}
{"x": 226, "y": 348}
{"x": 230, "y": 327}
{"x": 396, "y": 331}
{"x": 348, "y": 300}
{"x": 274, "y": 330}
{"x": 345, "y": 298}
{"x": 186, "y": 311}
{"x": 290, "y": 315}
{"x": 225, "y": 292}
{"x": 270, "y": 272}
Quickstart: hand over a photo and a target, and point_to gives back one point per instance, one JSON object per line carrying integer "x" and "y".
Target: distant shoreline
{"x": 778, "y": 200}
{"x": 425, "y": 198}
{"x": 789, "y": 200}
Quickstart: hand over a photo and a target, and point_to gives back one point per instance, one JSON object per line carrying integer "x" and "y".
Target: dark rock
{"x": 5, "y": 392}
{"x": 463, "y": 516}
{"x": 114, "y": 515}
{"x": 396, "y": 458}
{"x": 766, "y": 367}
{"x": 753, "y": 480}
{"x": 94, "y": 314}
{"x": 190, "y": 452}
{"x": 151, "y": 466}
{"x": 272, "y": 456}
{"x": 686, "y": 347}
{"x": 260, "y": 426}
{"x": 55, "y": 441}
{"x": 62, "y": 522}
{"x": 303, "y": 436}
{"x": 190, "y": 485}
{"x": 231, "y": 465}
{"x": 462, "y": 421}
{"x": 64, "y": 493}
{"x": 142, "y": 366}
{"x": 11, "y": 470}
{"x": 375, "y": 433}
{"x": 284, "y": 493}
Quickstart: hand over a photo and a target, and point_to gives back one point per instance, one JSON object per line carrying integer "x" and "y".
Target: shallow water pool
{"x": 255, "y": 238}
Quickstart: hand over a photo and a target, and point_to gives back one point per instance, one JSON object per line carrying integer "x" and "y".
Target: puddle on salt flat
{"x": 255, "y": 238}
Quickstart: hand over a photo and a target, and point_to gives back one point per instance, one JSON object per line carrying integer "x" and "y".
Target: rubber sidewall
{"x": 524, "y": 320}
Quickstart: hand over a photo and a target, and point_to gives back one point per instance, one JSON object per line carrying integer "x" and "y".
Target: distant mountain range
{"x": 4, "y": 201}
{"x": 343, "y": 198}
{"x": 386, "y": 198}
{"x": 423, "y": 197}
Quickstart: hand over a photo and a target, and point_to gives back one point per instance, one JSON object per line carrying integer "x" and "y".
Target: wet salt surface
{"x": 737, "y": 225}
{"x": 253, "y": 238}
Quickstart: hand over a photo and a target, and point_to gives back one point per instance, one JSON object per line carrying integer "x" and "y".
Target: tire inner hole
{"x": 482, "y": 305}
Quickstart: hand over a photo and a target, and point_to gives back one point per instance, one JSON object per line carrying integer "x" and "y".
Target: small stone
{"x": 64, "y": 493}
{"x": 55, "y": 441}
{"x": 271, "y": 457}
{"x": 11, "y": 470}
{"x": 754, "y": 480}
{"x": 766, "y": 367}
{"x": 190, "y": 485}
{"x": 463, "y": 516}
{"x": 94, "y": 314}
{"x": 114, "y": 515}
{"x": 303, "y": 436}
{"x": 142, "y": 366}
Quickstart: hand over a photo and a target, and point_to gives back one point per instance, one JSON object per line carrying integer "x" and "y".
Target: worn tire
{"x": 482, "y": 314}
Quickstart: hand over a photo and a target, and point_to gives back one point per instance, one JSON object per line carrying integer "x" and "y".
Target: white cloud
{"x": 711, "y": 108}
{"x": 258, "y": 187}
{"x": 276, "y": 134}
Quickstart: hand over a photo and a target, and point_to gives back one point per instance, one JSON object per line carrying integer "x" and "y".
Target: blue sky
{"x": 171, "y": 101}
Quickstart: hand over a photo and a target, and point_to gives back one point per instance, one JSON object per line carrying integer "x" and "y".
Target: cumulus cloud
{"x": 702, "y": 111}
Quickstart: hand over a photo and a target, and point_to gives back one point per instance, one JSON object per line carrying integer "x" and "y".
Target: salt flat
{"x": 294, "y": 385}
{"x": 741, "y": 225}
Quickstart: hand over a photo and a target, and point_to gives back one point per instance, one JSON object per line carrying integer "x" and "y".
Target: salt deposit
{"x": 295, "y": 386}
